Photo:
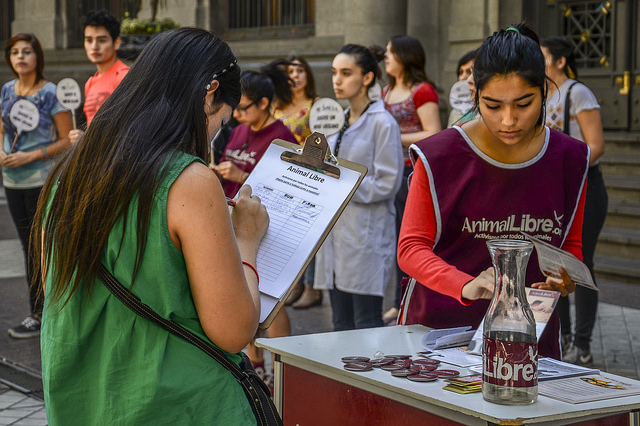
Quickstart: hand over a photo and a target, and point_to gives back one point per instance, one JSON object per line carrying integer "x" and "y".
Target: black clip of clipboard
{"x": 314, "y": 153}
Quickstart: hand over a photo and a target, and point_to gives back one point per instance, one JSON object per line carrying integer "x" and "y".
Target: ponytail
{"x": 366, "y": 59}
{"x": 271, "y": 82}
{"x": 560, "y": 47}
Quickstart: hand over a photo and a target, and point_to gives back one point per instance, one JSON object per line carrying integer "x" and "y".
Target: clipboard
{"x": 305, "y": 191}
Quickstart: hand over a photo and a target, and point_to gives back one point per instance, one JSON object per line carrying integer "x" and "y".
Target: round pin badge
{"x": 358, "y": 366}
{"x": 423, "y": 377}
{"x": 379, "y": 362}
{"x": 447, "y": 374}
{"x": 392, "y": 367}
{"x": 399, "y": 356}
{"x": 405, "y": 362}
{"x": 346, "y": 359}
{"x": 427, "y": 361}
{"x": 424, "y": 367}
{"x": 404, "y": 372}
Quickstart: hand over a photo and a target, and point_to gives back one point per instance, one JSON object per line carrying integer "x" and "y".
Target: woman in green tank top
{"x": 136, "y": 196}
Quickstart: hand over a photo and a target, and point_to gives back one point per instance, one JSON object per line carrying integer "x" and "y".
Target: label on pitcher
{"x": 512, "y": 364}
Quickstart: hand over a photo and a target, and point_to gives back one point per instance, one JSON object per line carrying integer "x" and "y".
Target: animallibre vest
{"x": 477, "y": 198}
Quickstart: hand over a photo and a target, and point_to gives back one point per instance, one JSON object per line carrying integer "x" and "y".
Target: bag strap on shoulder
{"x": 264, "y": 411}
{"x": 567, "y": 117}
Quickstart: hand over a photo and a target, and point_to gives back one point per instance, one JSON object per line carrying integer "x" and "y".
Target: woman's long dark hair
{"x": 515, "y": 50}
{"x": 560, "y": 47}
{"x": 271, "y": 82}
{"x": 310, "y": 88}
{"x": 156, "y": 111}
{"x": 410, "y": 54}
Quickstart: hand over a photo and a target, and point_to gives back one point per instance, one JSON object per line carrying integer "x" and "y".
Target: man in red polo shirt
{"x": 101, "y": 42}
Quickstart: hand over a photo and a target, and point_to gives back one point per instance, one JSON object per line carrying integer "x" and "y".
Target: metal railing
{"x": 589, "y": 27}
{"x": 271, "y": 18}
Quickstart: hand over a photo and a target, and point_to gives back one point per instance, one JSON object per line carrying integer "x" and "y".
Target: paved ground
{"x": 615, "y": 347}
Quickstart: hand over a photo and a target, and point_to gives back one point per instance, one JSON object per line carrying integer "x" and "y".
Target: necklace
{"x": 28, "y": 90}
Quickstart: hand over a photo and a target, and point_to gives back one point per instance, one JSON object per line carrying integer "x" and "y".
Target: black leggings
{"x": 22, "y": 206}
{"x": 400, "y": 201}
{"x": 586, "y": 300}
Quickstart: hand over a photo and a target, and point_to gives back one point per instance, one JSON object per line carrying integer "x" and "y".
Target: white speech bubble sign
{"x": 375, "y": 92}
{"x": 68, "y": 93}
{"x": 460, "y": 96}
{"x": 326, "y": 116}
{"x": 24, "y": 115}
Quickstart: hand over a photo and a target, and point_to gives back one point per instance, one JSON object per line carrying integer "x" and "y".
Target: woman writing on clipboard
{"x": 137, "y": 197}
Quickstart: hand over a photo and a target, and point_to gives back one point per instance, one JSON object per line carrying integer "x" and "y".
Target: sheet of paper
{"x": 301, "y": 204}
{"x": 447, "y": 337}
{"x": 542, "y": 303}
{"x": 457, "y": 356}
{"x": 551, "y": 258}
{"x": 593, "y": 387}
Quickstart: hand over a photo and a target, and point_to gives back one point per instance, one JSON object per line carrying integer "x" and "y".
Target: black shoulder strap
{"x": 265, "y": 412}
{"x": 565, "y": 128}
{"x": 143, "y": 310}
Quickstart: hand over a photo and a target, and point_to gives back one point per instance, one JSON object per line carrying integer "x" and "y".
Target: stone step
{"x": 621, "y": 214}
{"x": 622, "y": 142}
{"x": 617, "y": 268}
{"x": 623, "y": 188}
{"x": 620, "y": 165}
{"x": 619, "y": 242}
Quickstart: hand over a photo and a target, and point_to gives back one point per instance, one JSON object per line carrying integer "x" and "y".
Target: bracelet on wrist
{"x": 253, "y": 268}
{"x": 44, "y": 152}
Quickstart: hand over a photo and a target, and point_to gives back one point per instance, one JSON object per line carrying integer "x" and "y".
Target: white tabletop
{"x": 322, "y": 353}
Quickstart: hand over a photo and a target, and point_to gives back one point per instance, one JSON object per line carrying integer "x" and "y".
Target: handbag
{"x": 256, "y": 391}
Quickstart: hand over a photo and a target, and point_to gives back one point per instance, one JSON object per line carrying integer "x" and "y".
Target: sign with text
{"x": 68, "y": 93}
{"x": 326, "y": 116}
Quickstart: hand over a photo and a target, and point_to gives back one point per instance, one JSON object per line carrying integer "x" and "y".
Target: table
{"x": 313, "y": 388}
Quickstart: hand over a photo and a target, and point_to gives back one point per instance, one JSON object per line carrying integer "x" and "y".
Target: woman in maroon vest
{"x": 494, "y": 176}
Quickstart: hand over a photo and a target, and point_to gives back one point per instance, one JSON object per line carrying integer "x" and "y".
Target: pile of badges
{"x": 419, "y": 370}
{"x": 465, "y": 384}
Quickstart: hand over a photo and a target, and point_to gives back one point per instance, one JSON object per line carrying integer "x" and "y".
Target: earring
{"x": 208, "y": 87}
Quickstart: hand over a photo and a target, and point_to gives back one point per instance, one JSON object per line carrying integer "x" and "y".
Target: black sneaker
{"x": 30, "y": 327}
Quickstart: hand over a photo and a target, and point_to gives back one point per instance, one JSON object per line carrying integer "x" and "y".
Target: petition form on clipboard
{"x": 303, "y": 202}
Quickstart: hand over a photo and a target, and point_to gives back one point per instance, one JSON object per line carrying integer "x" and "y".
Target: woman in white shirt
{"x": 357, "y": 259}
{"x": 579, "y": 117}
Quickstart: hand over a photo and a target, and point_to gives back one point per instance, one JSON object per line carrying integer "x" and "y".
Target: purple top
{"x": 246, "y": 147}
{"x": 488, "y": 199}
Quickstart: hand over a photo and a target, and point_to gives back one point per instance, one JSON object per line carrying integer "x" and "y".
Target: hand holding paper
{"x": 552, "y": 259}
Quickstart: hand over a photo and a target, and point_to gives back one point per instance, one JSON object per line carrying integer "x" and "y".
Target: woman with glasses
{"x": 257, "y": 129}
{"x": 247, "y": 144}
